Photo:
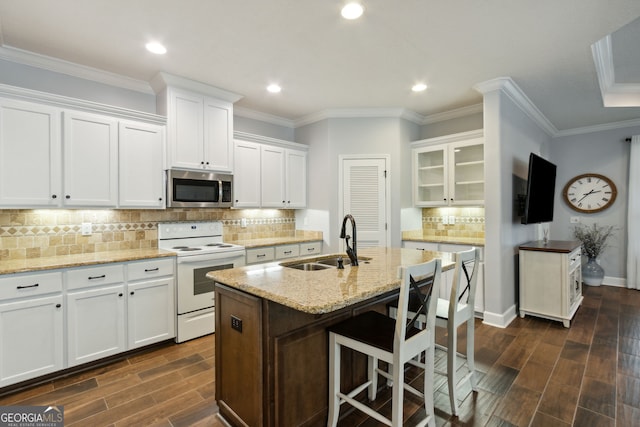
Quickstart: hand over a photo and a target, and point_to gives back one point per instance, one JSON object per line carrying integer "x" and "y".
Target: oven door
{"x": 195, "y": 290}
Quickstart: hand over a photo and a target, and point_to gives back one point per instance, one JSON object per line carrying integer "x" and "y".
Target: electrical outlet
{"x": 236, "y": 323}
{"x": 445, "y": 220}
{"x": 243, "y": 222}
{"x": 575, "y": 220}
{"x": 452, "y": 219}
{"x": 86, "y": 229}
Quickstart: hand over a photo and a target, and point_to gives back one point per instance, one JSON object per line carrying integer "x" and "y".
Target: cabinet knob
{"x": 159, "y": 199}
{"x": 236, "y": 200}
{"x": 202, "y": 163}
{"x": 132, "y": 292}
{"x": 67, "y": 196}
{"x": 120, "y": 294}
{"x": 54, "y": 196}
{"x": 58, "y": 305}
{"x": 445, "y": 199}
{"x": 207, "y": 163}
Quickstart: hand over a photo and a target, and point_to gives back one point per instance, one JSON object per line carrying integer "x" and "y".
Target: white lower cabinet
{"x": 278, "y": 252}
{"x": 95, "y": 324}
{"x": 31, "y": 338}
{"x": 31, "y": 326}
{"x": 151, "y": 312}
{"x": 109, "y": 309}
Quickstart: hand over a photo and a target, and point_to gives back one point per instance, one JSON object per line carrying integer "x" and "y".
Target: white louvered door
{"x": 364, "y": 197}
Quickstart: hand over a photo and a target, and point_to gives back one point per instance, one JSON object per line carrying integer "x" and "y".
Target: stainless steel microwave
{"x": 195, "y": 189}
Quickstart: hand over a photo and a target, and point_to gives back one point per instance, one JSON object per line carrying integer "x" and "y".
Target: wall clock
{"x": 589, "y": 193}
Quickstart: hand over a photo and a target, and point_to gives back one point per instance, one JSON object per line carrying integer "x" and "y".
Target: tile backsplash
{"x": 453, "y": 222}
{"x": 40, "y": 233}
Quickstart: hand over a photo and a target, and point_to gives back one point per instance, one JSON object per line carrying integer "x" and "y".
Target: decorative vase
{"x": 592, "y": 273}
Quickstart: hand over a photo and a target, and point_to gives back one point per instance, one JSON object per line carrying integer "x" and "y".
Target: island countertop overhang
{"x": 324, "y": 291}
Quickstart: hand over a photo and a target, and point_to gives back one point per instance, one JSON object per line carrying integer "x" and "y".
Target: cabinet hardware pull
{"x": 97, "y": 277}
{"x": 159, "y": 199}
{"x": 148, "y": 270}
{"x": 120, "y": 294}
{"x": 287, "y": 252}
{"x": 261, "y": 255}
{"x": 53, "y": 196}
{"x": 311, "y": 249}
{"x": 58, "y": 305}
{"x": 67, "y": 196}
{"x": 202, "y": 163}
{"x": 35, "y": 285}
{"x": 132, "y": 293}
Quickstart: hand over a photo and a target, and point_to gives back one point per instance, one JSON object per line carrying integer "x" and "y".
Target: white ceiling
{"x": 324, "y": 62}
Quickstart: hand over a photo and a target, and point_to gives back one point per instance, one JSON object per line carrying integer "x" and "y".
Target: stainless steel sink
{"x": 308, "y": 266}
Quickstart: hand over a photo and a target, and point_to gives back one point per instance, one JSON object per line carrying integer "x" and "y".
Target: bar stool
{"x": 395, "y": 341}
{"x": 451, "y": 314}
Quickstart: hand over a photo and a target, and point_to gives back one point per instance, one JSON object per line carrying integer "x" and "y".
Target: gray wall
{"x": 606, "y": 153}
{"x": 61, "y": 84}
{"x": 257, "y": 127}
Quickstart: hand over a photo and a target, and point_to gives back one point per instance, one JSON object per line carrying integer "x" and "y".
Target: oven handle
{"x": 210, "y": 257}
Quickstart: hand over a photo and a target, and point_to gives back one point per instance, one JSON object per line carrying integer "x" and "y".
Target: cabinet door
{"x": 90, "y": 160}
{"x": 246, "y": 177}
{"x": 151, "y": 312}
{"x": 95, "y": 324}
{"x": 185, "y": 122}
{"x": 30, "y": 173}
{"x": 218, "y": 135}
{"x": 467, "y": 173}
{"x": 272, "y": 177}
{"x": 296, "y": 179}
{"x": 430, "y": 181}
{"x": 31, "y": 339}
{"x": 141, "y": 166}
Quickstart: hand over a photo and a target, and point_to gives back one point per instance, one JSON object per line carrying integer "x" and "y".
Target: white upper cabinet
{"x": 270, "y": 174}
{"x": 200, "y": 131}
{"x": 141, "y": 165}
{"x": 54, "y": 156}
{"x": 30, "y": 166}
{"x": 246, "y": 179}
{"x": 90, "y": 160}
{"x": 296, "y": 179}
{"x": 449, "y": 171}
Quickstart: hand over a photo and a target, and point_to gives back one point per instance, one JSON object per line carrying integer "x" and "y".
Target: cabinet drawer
{"x": 260, "y": 255}
{"x": 95, "y": 276}
{"x": 138, "y": 270}
{"x": 575, "y": 259}
{"x": 29, "y": 284}
{"x": 287, "y": 251}
{"x": 311, "y": 248}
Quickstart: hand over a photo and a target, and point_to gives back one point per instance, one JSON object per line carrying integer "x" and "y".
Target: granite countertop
{"x": 420, "y": 236}
{"x": 323, "y": 291}
{"x": 274, "y": 241}
{"x": 79, "y": 260}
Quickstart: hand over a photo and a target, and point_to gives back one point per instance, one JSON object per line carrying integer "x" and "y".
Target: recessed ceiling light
{"x": 156, "y": 48}
{"x": 274, "y": 88}
{"x": 419, "y": 87}
{"x": 352, "y": 10}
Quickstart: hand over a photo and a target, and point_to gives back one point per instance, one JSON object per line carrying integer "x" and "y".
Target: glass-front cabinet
{"x": 449, "y": 171}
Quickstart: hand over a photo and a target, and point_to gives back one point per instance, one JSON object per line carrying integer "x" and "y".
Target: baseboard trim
{"x": 500, "y": 320}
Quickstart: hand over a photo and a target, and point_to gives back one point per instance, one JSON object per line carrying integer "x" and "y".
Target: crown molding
{"x": 507, "y": 86}
{"x": 613, "y": 94}
{"x": 60, "y": 101}
{"x": 446, "y": 139}
{"x": 72, "y": 69}
{"x": 251, "y": 137}
{"x": 263, "y": 117}
{"x": 162, "y": 80}
{"x": 452, "y": 114}
{"x": 353, "y": 113}
{"x": 598, "y": 128}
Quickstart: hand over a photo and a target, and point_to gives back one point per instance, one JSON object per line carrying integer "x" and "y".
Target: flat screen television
{"x": 541, "y": 183}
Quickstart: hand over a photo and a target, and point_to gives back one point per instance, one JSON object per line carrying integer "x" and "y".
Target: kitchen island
{"x": 271, "y": 341}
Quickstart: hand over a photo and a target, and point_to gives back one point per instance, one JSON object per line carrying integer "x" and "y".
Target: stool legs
{"x": 452, "y": 347}
{"x": 471, "y": 362}
{"x": 334, "y": 381}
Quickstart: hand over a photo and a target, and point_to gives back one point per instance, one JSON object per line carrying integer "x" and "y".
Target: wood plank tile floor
{"x": 533, "y": 373}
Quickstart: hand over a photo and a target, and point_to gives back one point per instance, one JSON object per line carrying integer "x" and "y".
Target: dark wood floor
{"x": 533, "y": 373}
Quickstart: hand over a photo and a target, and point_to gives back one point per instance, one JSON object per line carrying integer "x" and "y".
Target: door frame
{"x": 387, "y": 202}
